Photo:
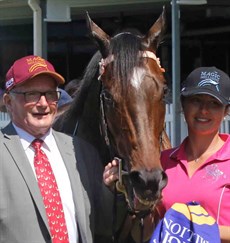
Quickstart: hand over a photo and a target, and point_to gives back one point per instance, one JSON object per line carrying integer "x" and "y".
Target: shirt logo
{"x": 213, "y": 173}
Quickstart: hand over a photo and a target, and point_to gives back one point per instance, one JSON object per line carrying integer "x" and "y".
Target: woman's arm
{"x": 224, "y": 234}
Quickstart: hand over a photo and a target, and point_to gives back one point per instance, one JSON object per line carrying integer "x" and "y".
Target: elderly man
{"x": 45, "y": 194}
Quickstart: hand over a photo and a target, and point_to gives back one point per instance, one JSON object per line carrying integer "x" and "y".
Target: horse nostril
{"x": 164, "y": 180}
{"x": 148, "y": 184}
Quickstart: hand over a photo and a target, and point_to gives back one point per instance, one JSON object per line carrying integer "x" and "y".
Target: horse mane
{"x": 89, "y": 78}
{"x": 67, "y": 122}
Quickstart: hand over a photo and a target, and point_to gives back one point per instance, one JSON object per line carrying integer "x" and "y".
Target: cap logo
{"x": 9, "y": 83}
{"x": 209, "y": 78}
{"x": 35, "y": 63}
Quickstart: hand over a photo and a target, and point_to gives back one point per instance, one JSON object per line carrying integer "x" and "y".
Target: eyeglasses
{"x": 35, "y": 96}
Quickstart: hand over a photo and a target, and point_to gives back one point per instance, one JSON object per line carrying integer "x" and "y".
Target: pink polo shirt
{"x": 209, "y": 185}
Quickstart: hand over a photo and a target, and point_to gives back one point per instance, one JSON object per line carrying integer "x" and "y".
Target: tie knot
{"x": 37, "y": 143}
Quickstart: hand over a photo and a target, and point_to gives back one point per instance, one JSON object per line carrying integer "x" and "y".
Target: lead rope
{"x": 114, "y": 218}
{"x": 142, "y": 230}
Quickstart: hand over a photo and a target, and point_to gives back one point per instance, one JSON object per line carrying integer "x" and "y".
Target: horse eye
{"x": 107, "y": 96}
{"x": 165, "y": 91}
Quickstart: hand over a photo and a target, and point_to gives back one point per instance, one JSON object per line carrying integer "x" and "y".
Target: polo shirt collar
{"x": 222, "y": 154}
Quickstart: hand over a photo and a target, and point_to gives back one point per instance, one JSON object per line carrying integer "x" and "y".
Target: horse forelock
{"x": 125, "y": 48}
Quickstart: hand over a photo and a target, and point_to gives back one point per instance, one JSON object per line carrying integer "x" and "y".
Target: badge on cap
{"x": 9, "y": 83}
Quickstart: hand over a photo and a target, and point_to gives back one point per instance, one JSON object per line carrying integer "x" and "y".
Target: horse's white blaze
{"x": 138, "y": 75}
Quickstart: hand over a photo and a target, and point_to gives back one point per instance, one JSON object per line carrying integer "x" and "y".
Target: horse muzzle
{"x": 143, "y": 188}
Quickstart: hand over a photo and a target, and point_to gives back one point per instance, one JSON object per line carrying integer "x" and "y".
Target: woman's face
{"x": 203, "y": 113}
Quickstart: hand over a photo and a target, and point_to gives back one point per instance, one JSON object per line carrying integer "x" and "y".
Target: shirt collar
{"x": 222, "y": 154}
{"x": 26, "y": 138}
{"x": 179, "y": 152}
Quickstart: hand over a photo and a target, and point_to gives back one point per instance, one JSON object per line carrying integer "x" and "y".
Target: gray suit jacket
{"x": 22, "y": 214}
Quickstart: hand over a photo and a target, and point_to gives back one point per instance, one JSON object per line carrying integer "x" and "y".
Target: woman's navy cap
{"x": 208, "y": 80}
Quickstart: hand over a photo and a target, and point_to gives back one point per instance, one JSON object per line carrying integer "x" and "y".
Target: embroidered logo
{"x": 214, "y": 173}
{"x": 209, "y": 78}
{"x": 35, "y": 63}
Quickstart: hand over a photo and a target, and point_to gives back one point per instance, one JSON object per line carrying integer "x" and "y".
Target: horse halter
{"x": 105, "y": 61}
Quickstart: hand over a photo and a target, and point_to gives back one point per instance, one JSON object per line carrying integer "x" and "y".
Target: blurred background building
{"x": 59, "y": 27}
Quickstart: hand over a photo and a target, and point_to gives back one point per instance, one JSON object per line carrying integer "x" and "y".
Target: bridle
{"x": 120, "y": 187}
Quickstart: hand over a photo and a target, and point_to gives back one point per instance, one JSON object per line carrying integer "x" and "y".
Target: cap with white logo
{"x": 29, "y": 67}
{"x": 208, "y": 80}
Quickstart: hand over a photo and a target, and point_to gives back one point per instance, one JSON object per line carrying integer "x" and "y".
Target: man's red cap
{"x": 29, "y": 67}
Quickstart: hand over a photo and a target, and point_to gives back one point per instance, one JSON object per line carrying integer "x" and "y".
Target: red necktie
{"x": 50, "y": 195}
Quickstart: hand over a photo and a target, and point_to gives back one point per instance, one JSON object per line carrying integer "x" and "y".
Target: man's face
{"x": 34, "y": 117}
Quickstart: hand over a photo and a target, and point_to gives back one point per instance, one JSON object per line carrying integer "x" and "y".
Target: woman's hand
{"x": 224, "y": 234}
{"x": 110, "y": 175}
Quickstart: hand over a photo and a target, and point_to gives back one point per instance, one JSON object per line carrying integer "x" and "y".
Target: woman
{"x": 199, "y": 169}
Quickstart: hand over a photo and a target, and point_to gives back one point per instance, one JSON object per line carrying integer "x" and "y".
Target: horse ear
{"x": 102, "y": 39}
{"x": 155, "y": 34}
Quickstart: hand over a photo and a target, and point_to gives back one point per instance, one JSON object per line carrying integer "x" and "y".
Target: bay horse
{"x": 120, "y": 108}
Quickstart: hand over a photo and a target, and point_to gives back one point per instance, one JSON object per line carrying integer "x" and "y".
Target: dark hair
{"x": 72, "y": 86}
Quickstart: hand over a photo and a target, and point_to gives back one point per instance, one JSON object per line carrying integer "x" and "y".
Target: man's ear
{"x": 7, "y": 101}
{"x": 227, "y": 110}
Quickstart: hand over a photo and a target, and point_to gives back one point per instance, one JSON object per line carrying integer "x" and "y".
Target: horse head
{"x": 133, "y": 109}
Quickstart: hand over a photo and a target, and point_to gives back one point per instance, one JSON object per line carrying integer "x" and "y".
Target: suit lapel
{"x": 70, "y": 162}
{"x": 14, "y": 146}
